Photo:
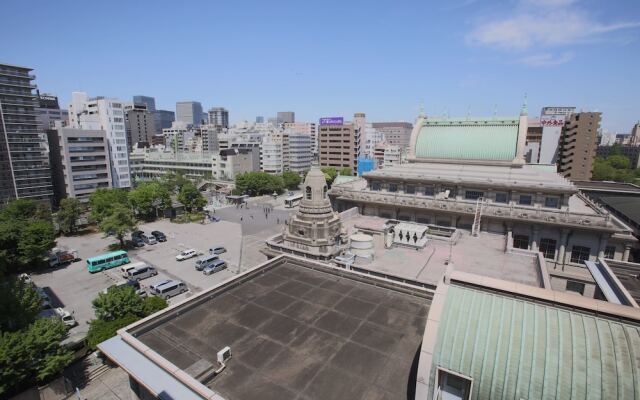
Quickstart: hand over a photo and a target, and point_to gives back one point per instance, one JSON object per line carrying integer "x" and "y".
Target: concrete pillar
{"x": 564, "y": 234}
{"x": 627, "y": 249}
{"x": 509, "y": 237}
{"x": 535, "y": 238}
{"x": 602, "y": 244}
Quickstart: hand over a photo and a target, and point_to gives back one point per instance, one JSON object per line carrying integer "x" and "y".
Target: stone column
{"x": 602, "y": 244}
{"x": 509, "y": 237}
{"x": 563, "y": 246}
{"x": 627, "y": 249}
{"x": 535, "y": 238}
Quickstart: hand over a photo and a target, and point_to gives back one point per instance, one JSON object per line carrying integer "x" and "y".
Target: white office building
{"x": 107, "y": 114}
{"x": 552, "y": 120}
{"x": 300, "y": 156}
{"x": 271, "y": 155}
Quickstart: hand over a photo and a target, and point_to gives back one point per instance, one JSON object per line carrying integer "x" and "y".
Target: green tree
{"x": 291, "y": 180}
{"x": 154, "y": 304}
{"x": 118, "y": 302}
{"x": 68, "y": 214}
{"x": 346, "y": 171}
{"x": 191, "y": 197}
{"x": 118, "y": 222}
{"x": 330, "y": 174}
{"x": 258, "y": 183}
{"x": 100, "y": 330}
{"x": 26, "y": 235}
{"x": 104, "y": 200}
{"x": 20, "y": 304}
{"x": 174, "y": 181}
{"x": 148, "y": 197}
{"x": 32, "y": 355}
{"x": 619, "y": 161}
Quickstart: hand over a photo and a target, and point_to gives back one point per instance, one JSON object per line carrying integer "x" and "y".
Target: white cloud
{"x": 542, "y": 24}
{"x": 546, "y": 59}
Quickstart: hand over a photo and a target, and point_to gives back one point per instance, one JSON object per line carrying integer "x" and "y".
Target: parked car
{"x": 60, "y": 313}
{"x": 124, "y": 270}
{"x": 160, "y": 237}
{"x": 136, "y": 233}
{"x": 137, "y": 241}
{"x": 148, "y": 238}
{"x": 217, "y": 250}
{"x": 170, "y": 289}
{"x": 154, "y": 286}
{"x": 216, "y": 266}
{"x": 213, "y": 218}
{"x": 205, "y": 261}
{"x": 186, "y": 254}
{"x": 142, "y": 273}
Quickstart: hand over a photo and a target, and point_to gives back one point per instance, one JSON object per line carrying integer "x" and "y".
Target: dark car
{"x": 135, "y": 234}
{"x": 160, "y": 237}
{"x": 137, "y": 241}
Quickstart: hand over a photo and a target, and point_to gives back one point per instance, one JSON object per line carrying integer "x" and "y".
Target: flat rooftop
{"x": 298, "y": 332}
{"x": 482, "y": 255}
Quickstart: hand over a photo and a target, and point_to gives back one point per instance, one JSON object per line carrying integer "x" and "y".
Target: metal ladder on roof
{"x": 475, "y": 228}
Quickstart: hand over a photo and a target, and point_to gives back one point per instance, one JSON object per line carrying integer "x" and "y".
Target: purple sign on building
{"x": 332, "y": 121}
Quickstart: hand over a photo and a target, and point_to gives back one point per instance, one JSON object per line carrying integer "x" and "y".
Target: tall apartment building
{"x": 285, "y": 117}
{"x": 272, "y": 155}
{"x": 140, "y": 125}
{"x": 219, "y": 116}
{"x": 25, "y": 171}
{"x": 395, "y": 133}
{"x": 338, "y": 144}
{"x": 49, "y": 111}
{"x": 578, "y": 145}
{"x": 80, "y": 162}
{"x": 552, "y": 120}
{"x": 307, "y": 128}
{"x": 105, "y": 114}
{"x": 300, "y": 154}
{"x": 189, "y": 112}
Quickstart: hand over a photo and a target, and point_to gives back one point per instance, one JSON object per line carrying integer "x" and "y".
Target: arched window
{"x": 308, "y": 192}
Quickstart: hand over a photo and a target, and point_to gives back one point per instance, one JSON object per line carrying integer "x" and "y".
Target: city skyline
{"x": 470, "y": 57}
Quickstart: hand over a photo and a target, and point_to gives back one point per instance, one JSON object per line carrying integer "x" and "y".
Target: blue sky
{"x": 337, "y": 57}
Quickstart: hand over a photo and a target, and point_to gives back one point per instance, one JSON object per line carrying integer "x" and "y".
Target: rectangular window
{"x": 548, "y": 248}
{"x": 375, "y": 185}
{"x": 579, "y": 254}
{"x": 610, "y": 252}
{"x": 520, "y": 242}
{"x": 525, "y": 200}
{"x": 410, "y": 189}
{"x": 501, "y": 197}
{"x": 393, "y": 187}
{"x": 473, "y": 194}
{"x": 577, "y": 287}
{"x": 551, "y": 202}
{"x": 453, "y": 386}
{"x": 428, "y": 190}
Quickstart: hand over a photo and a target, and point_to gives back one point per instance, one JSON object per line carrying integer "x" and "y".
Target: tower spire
{"x": 524, "y": 110}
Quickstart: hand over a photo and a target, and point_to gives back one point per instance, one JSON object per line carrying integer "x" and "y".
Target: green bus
{"x": 106, "y": 261}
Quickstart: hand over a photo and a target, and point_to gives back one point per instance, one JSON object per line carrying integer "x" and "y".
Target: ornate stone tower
{"x": 316, "y": 228}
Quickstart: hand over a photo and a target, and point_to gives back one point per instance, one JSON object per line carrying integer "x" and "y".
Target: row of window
{"x": 548, "y": 247}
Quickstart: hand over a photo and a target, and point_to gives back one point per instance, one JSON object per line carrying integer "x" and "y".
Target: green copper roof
{"x": 479, "y": 139}
{"x": 518, "y": 349}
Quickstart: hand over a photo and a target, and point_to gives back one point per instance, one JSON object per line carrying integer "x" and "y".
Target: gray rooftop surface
{"x": 299, "y": 333}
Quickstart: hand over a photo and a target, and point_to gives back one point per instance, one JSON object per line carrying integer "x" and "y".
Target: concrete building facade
{"x": 80, "y": 162}
{"x": 395, "y": 133}
{"x": 163, "y": 120}
{"x": 140, "y": 125}
{"x": 272, "y": 155}
{"x": 219, "y": 116}
{"x": 148, "y": 101}
{"x": 338, "y": 145}
{"x": 25, "y": 172}
{"x": 189, "y": 112}
{"x": 578, "y": 145}
{"x": 105, "y": 114}
{"x": 49, "y": 112}
{"x": 552, "y": 120}
{"x": 285, "y": 117}
{"x": 300, "y": 152}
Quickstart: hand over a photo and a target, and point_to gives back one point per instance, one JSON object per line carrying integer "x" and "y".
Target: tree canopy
{"x": 26, "y": 236}
{"x": 615, "y": 167}
{"x": 191, "y": 197}
{"x": 20, "y": 304}
{"x": 68, "y": 214}
{"x": 118, "y": 222}
{"x": 104, "y": 200}
{"x": 258, "y": 183}
{"x": 118, "y": 302}
{"x": 291, "y": 180}
{"x": 346, "y": 171}
{"x": 148, "y": 197}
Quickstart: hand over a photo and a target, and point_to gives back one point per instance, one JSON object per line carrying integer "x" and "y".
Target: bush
{"x": 154, "y": 304}
{"x": 117, "y": 303}
{"x": 100, "y": 330}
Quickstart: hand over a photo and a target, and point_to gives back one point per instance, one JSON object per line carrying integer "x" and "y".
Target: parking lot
{"x": 240, "y": 231}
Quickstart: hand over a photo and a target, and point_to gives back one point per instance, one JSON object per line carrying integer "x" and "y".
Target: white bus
{"x": 292, "y": 201}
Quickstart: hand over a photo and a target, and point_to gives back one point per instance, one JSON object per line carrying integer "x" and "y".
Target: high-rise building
{"x": 578, "y": 145}
{"x": 395, "y": 133}
{"x": 635, "y": 135}
{"x": 140, "y": 125}
{"x": 552, "y": 120}
{"x": 307, "y": 128}
{"x": 300, "y": 155}
{"x": 284, "y": 117}
{"x": 25, "y": 171}
{"x": 105, "y": 114}
{"x": 219, "y": 116}
{"x": 80, "y": 162}
{"x": 148, "y": 101}
{"x": 49, "y": 111}
{"x": 338, "y": 144}
{"x": 189, "y": 112}
{"x": 163, "y": 120}
{"x": 271, "y": 155}
{"x": 259, "y": 120}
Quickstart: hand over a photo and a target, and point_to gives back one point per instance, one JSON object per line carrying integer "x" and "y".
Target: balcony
{"x": 502, "y": 211}
{"x": 17, "y": 83}
{"x": 16, "y": 73}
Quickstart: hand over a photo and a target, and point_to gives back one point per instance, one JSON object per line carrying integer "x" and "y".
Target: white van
{"x": 170, "y": 289}
{"x": 148, "y": 238}
{"x": 129, "y": 267}
{"x": 204, "y": 261}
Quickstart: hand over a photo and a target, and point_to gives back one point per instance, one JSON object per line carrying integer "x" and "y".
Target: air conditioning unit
{"x": 224, "y": 355}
